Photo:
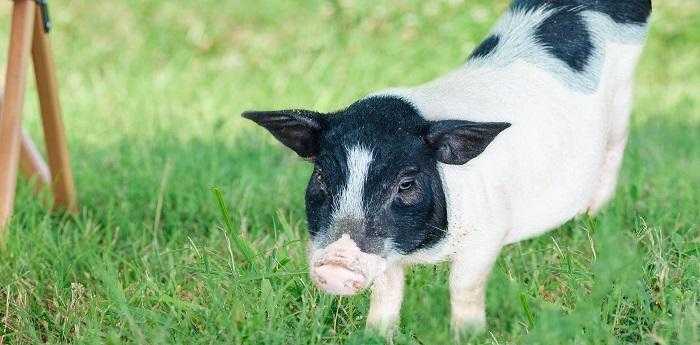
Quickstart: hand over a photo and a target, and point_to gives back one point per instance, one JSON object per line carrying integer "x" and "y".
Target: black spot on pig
{"x": 621, "y": 11}
{"x": 566, "y": 35}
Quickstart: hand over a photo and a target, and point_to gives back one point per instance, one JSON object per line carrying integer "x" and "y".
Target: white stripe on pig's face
{"x": 350, "y": 205}
{"x": 375, "y": 193}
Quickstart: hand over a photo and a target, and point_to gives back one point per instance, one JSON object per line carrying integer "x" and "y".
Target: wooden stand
{"x": 28, "y": 38}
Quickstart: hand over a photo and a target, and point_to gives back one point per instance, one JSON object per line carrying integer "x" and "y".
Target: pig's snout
{"x": 342, "y": 268}
{"x": 338, "y": 280}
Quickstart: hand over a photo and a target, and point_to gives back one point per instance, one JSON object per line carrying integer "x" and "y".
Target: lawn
{"x": 152, "y": 92}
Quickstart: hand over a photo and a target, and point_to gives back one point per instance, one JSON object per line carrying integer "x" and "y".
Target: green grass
{"x": 152, "y": 91}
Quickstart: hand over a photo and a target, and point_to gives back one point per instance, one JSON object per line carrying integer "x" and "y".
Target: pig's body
{"x": 529, "y": 133}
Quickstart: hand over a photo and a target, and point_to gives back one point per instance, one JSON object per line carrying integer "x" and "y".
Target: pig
{"x": 529, "y": 133}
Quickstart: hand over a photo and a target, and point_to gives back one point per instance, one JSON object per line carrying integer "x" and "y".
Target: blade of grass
{"x": 241, "y": 245}
{"x": 526, "y": 308}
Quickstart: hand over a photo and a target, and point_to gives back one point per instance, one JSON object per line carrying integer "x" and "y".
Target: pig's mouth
{"x": 343, "y": 269}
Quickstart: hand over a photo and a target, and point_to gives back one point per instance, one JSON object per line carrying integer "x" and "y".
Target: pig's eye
{"x": 406, "y": 185}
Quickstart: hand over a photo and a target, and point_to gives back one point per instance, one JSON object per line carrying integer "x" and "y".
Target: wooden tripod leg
{"x": 30, "y": 161}
{"x": 54, "y": 132}
{"x": 23, "y": 12}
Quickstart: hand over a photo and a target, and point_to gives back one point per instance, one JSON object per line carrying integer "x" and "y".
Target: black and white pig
{"x": 527, "y": 134}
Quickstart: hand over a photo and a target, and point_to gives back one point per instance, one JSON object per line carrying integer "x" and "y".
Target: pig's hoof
{"x": 338, "y": 280}
{"x": 383, "y": 327}
{"x": 466, "y": 327}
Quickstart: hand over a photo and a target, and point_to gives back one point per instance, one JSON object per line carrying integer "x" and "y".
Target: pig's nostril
{"x": 356, "y": 285}
{"x": 321, "y": 280}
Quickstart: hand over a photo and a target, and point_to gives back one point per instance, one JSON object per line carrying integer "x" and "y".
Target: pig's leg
{"x": 479, "y": 224}
{"x": 477, "y": 249}
{"x": 468, "y": 276}
{"x": 385, "y": 303}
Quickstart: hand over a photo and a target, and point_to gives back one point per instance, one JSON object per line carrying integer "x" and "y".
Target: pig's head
{"x": 375, "y": 194}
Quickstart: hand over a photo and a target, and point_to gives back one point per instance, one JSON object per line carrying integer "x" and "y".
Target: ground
{"x": 152, "y": 93}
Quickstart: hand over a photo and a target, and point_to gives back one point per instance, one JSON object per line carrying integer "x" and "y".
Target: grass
{"x": 151, "y": 93}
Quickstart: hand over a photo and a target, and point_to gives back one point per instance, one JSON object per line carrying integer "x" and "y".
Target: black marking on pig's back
{"x": 621, "y": 11}
{"x": 565, "y": 35}
{"x": 486, "y": 47}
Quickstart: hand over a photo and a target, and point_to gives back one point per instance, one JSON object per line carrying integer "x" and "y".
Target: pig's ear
{"x": 300, "y": 130}
{"x": 457, "y": 142}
